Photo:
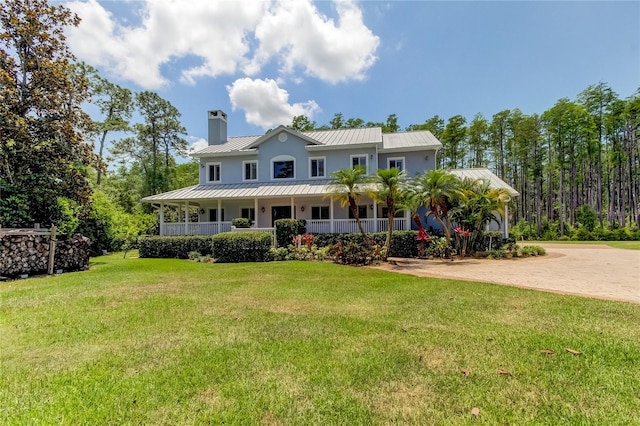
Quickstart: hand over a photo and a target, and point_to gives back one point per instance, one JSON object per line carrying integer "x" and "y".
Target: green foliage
{"x": 241, "y": 222}
{"x": 355, "y": 253}
{"x": 403, "y": 243}
{"x": 233, "y": 247}
{"x": 286, "y": 229}
{"x": 532, "y": 251}
{"x": 278, "y": 254}
{"x": 587, "y": 217}
{"x": 174, "y": 247}
{"x": 67, "y": 221}
{"x": 42, "y": 128}
{"x": 438, "y": 248}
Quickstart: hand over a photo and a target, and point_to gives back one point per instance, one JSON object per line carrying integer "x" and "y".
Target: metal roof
{"x": 346, "y": 136}
{"x": 329, "y": 138}
{"x": 410, "y": 140}
{"x": 486, "y": 175}
{"x": 242, "y": 190}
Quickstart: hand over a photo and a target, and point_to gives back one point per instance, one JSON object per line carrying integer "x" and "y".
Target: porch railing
{"x": 350, "y": 225}
{"x": 313, "y": 226}
{"x": 195, "y": 228}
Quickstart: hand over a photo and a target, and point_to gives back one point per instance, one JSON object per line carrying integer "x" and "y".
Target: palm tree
{"x": 479, "y": 206}
{"x": 388, "y": 190}
{"x": 439, "y": 191}
{"x": 347, "y": 185}
{"x": 411, "y": 201}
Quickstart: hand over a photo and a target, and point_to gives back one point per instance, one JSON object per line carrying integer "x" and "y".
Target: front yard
{"x": 159, "y": 341}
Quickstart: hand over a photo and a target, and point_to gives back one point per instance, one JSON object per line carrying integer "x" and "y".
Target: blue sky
{"x": 263, "y": 62}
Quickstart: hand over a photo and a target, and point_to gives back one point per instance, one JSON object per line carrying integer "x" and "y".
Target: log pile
{"x": 29, "y": 254}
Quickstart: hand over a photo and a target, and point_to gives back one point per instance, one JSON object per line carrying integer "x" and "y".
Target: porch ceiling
{"x": 242, "y": 190}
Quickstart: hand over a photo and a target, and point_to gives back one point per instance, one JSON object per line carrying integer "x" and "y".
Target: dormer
{"x": 217, "y": 127}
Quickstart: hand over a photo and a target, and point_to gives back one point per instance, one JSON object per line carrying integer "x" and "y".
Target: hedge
{"x": 403, "y": 243}
{"x": 286, "y": 229}
{"x": 174, "y": 247}
{"x": 233, "y": 247}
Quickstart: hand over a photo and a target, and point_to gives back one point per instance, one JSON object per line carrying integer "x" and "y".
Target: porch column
{"x": 255, "y": 212}
{"x": 505, "y": 222}
{"x": 407, "y": 220}
{"x": 219, "y": 216}
{"x": 331, "y": 225}
{"x": 375, "y": 216}
{"x": 293, "y": 209}
{"x": 161, "y": 218}
{"x": 186, "y": 218}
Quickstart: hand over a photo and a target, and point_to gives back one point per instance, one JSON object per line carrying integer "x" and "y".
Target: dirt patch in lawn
{"x": 587, "y": 270}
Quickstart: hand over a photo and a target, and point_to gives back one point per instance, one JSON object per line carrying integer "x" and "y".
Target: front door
{"x": 280, "y": 212}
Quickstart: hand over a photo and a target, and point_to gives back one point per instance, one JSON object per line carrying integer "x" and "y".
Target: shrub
{"x": 241, "y": 222}
{"x": 403, "y": 243}
{"x": 488, "y": 241}
{"x": 438, "y": 247}
{"x": 286, "y": 229}
{"x": 278, "y": 254}
{"x": 233, "y": 247}
{"x": 355, "y": 254}
{"x": 496, "y": 254}
{"x": 174, "y": 247}
{"x": 532, "y": 251}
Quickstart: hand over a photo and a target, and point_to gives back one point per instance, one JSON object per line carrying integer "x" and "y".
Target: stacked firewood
{"x": 29, "y": 254}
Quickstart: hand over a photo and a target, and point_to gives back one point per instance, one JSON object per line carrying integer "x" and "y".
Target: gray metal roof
{"x": 346, "y": 136}
{"x": 333, "y": 138}
{"x": 242, "y": 190}
{"x": 410, "y": 140}
{"x": 486, "y": 175}
{"x": 233, "y": 144}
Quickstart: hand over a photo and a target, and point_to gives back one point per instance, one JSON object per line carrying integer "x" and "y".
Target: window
{"x": 362, "y": 212}
{"x": 320, "y": 212}
{"x": 213, "y": 215}
{"x": 316, "y": 167}
{"x": 214, "y": 172}
{"x": 248, "y": 213}
{"x": 385, "y": 211}
{"x": 250, "y": 171}
{"x": 397, "y": 163}
{"x": 359, "y": 160}
{"x": 283, "y": 167}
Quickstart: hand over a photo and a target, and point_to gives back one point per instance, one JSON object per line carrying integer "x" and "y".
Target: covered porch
{"x": 210, "y": 217}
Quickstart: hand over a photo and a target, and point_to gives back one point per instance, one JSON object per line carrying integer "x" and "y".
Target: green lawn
{"x": 145, "y": 341}
{"x": 629, "y": 245}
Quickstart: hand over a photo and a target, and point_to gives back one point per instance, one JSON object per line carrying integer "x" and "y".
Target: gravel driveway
{"x": 586, "y": 270}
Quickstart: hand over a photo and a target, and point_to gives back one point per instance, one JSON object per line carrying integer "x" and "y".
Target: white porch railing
{"x": 313, "y": 226}
{"x": 195, "y": 228}
{"x": 350, "y": 225}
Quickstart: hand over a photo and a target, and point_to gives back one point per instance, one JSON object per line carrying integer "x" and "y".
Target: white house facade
{"x": 285, "y": 174}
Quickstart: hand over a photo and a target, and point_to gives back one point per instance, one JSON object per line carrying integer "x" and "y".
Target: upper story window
{"x": 316, "y": 167}
{"x": 283, "y": 167}
{"x": 249, "y": 170}
{"x": 359, "y": 160}
{"x": 397, "y": 163}
{"x": 214, "y": 172}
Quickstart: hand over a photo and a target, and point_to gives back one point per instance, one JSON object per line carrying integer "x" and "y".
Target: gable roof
{"x": 337, "y": 138}
{"x": 486, "y": 175}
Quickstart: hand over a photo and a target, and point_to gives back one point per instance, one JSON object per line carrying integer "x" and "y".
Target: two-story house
{"x": 284, "y": 174}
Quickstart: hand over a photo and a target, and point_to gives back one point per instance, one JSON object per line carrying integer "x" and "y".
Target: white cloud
{"x": 265, "y": 104}
{"x": 221, "y": 34}
{"x": 197, "y": 144}
{"x": 214, "y": 31}
{"x": 296, "y": 33}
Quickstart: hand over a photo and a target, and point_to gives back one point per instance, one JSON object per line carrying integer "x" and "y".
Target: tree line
{"x": 577, "y": 162}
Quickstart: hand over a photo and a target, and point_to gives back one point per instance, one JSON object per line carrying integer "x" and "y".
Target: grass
{"x": 629, "y": 245}
{"x": 145, "y": 341}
